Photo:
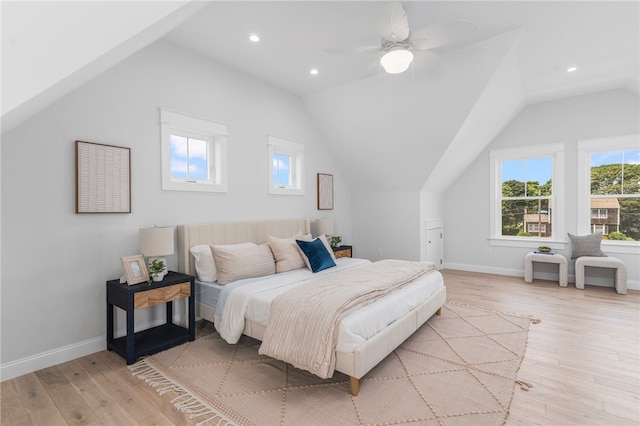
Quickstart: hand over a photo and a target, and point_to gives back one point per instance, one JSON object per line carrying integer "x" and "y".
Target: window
{"x": 599, "y": 213}
{"x": 194, "y": 153}
{"x": 286, "y": 166}
{"x": 526, "y": 187}
{"x": 609, "y": 188}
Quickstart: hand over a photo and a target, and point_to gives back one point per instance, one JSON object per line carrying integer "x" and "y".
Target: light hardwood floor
{"x": 583, "y": 360}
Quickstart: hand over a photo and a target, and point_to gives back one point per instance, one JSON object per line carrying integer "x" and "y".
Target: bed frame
{"x": 354, "y": 364}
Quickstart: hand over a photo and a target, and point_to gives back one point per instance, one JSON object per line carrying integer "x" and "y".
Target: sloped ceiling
{"x": 404, "y": 132}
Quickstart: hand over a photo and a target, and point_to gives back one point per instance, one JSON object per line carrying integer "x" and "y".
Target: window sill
{"x": 621, "y": 247}
{"x": 528, "y": 242}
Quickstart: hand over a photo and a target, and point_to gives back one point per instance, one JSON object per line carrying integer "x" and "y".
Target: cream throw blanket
{"x": 304, "y": 322}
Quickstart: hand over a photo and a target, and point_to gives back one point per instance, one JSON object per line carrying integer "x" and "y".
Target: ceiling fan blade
{"x": 426, "y": 62}
{"x": 360, "y": 50}
{"x": 441, "y": 34}
{"x": 392, "y": 22}
{"x": 371, "y": 70}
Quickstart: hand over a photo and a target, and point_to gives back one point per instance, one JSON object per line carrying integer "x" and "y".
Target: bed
{"x": 365, "y": 337}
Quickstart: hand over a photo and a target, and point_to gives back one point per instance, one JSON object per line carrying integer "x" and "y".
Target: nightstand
{"x": 174, "y": 286}
{"x": 342, "y": 251}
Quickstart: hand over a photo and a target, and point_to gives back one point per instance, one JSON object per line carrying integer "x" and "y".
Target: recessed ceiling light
{"x": 313, "y": 71}
{"x": 254, "y": 38}
{"x": 571, "y": 69}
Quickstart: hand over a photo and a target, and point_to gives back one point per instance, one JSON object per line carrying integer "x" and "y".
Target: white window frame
{"x": 587, "y": 147}
{"x": 295, "y": 151}
{"x": 215, "y": 134}
{"x": 497, "y": 156}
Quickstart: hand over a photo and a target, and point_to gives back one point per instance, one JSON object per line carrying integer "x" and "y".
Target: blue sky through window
{"x": 630, "y": 157}
{"x": 530, "y": 170}
{"x": 188, "y": 158}
{"x": 281, "y": 165}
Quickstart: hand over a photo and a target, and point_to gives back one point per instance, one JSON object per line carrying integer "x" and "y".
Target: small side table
{"x": 342, "y": 251}
{"x": 546, "y": 258}
{"x": 174, "y": 286}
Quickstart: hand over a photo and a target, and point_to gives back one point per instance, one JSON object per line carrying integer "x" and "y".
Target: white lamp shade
{"x": 324, "y": 226}
{"x": 156, "y": 241}
{"x": 396, "y": 61}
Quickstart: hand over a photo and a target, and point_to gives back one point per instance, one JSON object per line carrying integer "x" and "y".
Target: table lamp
{"x": 155, "y": 244}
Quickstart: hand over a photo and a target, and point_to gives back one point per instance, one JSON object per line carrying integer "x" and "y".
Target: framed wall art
{"x": 135, "y": 270}
{"x": 103, "y": 178}
{"x": 325, "y": 191}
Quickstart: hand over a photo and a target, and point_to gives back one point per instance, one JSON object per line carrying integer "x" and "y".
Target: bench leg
{"x": 528, "y": 271}
{"x": 621, "y": 280}
{"x": 562, "y": 274}
{"x": 579, "y": 276}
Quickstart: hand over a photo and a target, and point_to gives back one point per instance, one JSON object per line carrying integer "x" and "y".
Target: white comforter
{"x": 253, "y": 302}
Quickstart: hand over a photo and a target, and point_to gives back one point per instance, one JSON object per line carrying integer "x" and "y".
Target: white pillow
{"x": 286, "y": 252}
{"x": 205, "y": 266}
{"x": 237, "y": 264}
{"x": 327, "y": 245}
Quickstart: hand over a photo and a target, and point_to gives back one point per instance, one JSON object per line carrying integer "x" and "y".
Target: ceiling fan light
{"x": 396, "y": 61}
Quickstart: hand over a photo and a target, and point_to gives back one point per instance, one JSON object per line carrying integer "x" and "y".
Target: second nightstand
{"x": 342, "y": 251}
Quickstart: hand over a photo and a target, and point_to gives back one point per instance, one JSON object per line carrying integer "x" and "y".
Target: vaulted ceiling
{"x": 409, "y": 131}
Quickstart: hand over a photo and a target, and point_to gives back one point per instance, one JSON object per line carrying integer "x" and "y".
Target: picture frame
{"x": 135, "y": 269}
{"x": 325, "y": 191}
{"x": 103, "y": 178}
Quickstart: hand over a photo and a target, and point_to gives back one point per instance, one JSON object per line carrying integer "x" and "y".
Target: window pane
{"x": 513, "y": 178}
{"x": 198, "y": 159}
{"x": 178, "y": 156}
{"x": 629, "y": 219}
{"x": 539, "y": 174}
{"x": 281, "y": 169}
{"x": 631, "y": 172}
{"x": 606, "y": 173}
{"x": 527, "y": 178}
{"x": 526, "y": 218}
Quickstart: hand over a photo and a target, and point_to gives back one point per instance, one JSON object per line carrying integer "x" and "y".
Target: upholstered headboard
{"x": 233, "y": 233}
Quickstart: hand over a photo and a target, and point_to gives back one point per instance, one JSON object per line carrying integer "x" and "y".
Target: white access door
{"x": 434, "y": 243}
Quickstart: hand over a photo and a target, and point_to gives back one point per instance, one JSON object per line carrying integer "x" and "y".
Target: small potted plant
{"x": 335, "y": 241}
{"x": 156, "y": 270}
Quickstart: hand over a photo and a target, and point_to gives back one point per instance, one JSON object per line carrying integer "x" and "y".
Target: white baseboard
{"x": 26, "y": 365}
{"x": 601, "y": 282}
{"x": 9, "y": 370}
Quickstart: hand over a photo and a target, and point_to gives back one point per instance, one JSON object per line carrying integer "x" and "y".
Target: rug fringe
{"x": 185, "y": 402}
{"x": 532, "y": 319}
{"x": 524, "y": 385}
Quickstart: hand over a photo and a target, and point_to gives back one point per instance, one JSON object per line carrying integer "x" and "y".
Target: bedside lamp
{"x": 155, "y": 244}
{"x": 324, "y": 226}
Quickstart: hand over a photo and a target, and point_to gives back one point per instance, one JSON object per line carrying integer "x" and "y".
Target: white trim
{"x": 19, "y": 367}
{"x": 215, "y": 134}
{"x": 9, "y": 370}
{"x": 496, "y": 156}
{"x": 296, "y": 152}
{"x": 585, "y": 148}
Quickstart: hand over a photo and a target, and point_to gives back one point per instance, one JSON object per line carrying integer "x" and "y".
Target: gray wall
{"x": 385, "y": 225}
{"x": 466, "y": 204}
{"x": 55, "y": 262}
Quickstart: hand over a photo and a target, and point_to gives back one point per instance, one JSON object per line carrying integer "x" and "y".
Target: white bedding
{"x": 252, "y": 302}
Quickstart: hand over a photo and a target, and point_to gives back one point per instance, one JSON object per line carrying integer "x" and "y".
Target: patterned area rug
{"x": 459, "y": 368}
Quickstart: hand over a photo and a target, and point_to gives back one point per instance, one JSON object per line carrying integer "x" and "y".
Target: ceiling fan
{"x": 398, "y": 42}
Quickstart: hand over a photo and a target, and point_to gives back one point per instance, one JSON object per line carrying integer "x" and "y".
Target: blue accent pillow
{"x": 317, "y": 255}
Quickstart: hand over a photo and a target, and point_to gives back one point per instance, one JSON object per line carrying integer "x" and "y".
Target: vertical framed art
{"x": 325, "y": 191}
{"x": 103, "y": 178}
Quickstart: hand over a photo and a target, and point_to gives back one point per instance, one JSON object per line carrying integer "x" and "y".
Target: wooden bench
{"x": 603, "y": 262}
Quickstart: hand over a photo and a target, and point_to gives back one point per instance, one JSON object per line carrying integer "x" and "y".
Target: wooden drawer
{"x": 148, "y": 298}
{"x": 342, "y": 253}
